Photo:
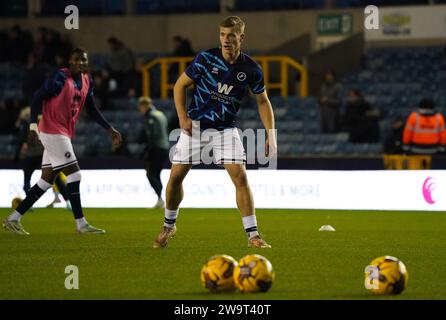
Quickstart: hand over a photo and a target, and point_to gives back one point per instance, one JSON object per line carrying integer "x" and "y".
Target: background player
{"x": 222, "y": 77}
{"x": 60, "y": 188}
{"x": 156, "y": 137}
{"x": 60, "y": 100}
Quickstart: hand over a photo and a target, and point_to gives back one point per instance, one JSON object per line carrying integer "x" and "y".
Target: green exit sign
{"x": 334, "y": 24}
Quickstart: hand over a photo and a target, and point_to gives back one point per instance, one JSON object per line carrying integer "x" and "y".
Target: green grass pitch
{"x": 309, "y": 264}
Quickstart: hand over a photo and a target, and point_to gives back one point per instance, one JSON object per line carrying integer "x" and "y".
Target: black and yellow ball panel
{"x": 217, "y": 274}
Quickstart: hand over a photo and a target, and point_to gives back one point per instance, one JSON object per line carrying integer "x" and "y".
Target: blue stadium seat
{"x": 114, "y": 7}
{"x": 277, "y": 101}
{"x": 252, "y": 124}
{"x": 147, "y": 6}
{"x": 311, "y": 127}
{"x": 297, "y": 149}
{"x": 136, "y": 148}
{"x": 6, "y": 139}
{"x": 289, "y": 126}
{"x": 284, "y": 148}
{"x": 80, "y": 149}
{"x": 280, "y": 113}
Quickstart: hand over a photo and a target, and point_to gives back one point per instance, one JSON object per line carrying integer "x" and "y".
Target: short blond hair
{"x": 233, "y": 22}
{"x": 145, "y": 100}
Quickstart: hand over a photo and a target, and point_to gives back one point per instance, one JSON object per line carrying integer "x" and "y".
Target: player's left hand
{"x": 116, "y": 138}
{"x": 24, "y": 149}
{"x": 271, "y": 147}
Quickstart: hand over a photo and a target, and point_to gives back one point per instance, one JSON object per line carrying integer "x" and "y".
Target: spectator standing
{"x": 121, "y": 62}
{"x": 393, "y": 143}
{"x": 360, "y": 119}
{"x": 133, "y": 83}
{"x": 19, "y": 45}
{"x": 181, "y": 48}
{"x": 330, "y": 103}
{"x": 36, "y": 72}
{"x": 425, "y": 132}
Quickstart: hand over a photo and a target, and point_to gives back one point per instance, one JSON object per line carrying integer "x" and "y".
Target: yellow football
{"x": 386, "y": 275}
{"x": 254, "y": 273}
{"x": 217, "y": 273}
{"x": 16, "y": 202}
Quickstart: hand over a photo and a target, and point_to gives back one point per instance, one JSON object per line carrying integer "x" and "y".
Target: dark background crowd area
{"x": 30, "y": 59}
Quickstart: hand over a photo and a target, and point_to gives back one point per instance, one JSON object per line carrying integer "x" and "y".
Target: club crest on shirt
{"x": 215, "y": 70}
{"x": 241, "y": 76}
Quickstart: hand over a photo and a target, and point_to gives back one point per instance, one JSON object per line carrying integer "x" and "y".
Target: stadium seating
{"x": 379, "y": 3}
{"x": 7, "y": 145}
{"x": 11, "y": 78}
{"x": 393, "y": 80}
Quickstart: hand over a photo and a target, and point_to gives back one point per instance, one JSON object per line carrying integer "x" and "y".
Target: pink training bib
{"x": 60, "y": 114}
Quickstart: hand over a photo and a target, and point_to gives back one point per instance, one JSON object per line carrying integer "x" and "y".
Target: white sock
{"x": 43, "y": 184}
{"x": 81, "y": 222}
{"x": 250, "y": 225}
{"x": 170, "y": 217}
{"x": 15, "y": 216}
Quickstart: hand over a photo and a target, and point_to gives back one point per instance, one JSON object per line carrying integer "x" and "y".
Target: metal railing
{"x": 265, "y": 62}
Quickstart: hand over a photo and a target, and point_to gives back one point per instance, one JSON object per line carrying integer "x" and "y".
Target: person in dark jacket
{"x": 393, "y": 139}
{"x": 182, "y": 48}
{"x": 156, "y": 138}
{"x": 360, "y": 119}
{"x": 330, "y": 103}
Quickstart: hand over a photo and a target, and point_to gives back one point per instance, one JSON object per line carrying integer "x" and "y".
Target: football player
{"x": 222, "y": 77}
{"x": 60, "y": 100}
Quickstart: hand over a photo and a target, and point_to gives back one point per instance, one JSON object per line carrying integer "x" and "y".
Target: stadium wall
{"x": 153, "y": 33}
{"x": 409, "y": 23}
{"x": 334, "y": 58}
{"x": 265, "y": 30}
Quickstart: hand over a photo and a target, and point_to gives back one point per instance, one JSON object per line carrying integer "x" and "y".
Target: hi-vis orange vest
{"x": 425, "y": 129}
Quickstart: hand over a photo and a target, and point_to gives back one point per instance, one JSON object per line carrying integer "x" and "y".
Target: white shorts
{"x": 209, "y": 146}
{"x": 58, "y": 151}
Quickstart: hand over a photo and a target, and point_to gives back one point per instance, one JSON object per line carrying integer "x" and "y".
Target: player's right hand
{"x": 33, "y": 138}
{"x": 186, "y": 125}
{"x": 116, "y": 138}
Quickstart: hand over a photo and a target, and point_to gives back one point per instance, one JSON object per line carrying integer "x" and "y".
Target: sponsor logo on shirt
{"x": 224, "y": 88}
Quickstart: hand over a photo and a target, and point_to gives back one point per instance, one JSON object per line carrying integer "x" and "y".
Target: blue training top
{"x": 220, "y": 87}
